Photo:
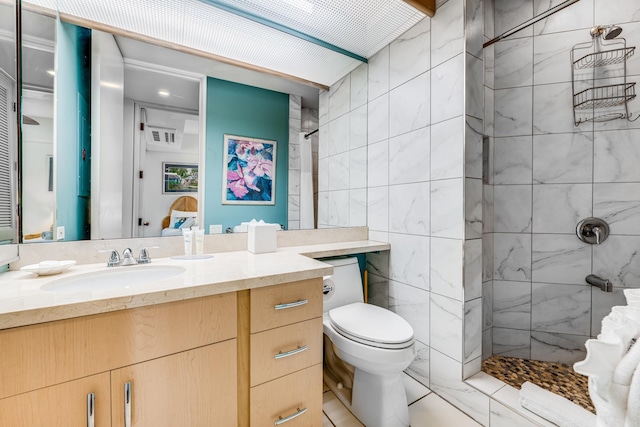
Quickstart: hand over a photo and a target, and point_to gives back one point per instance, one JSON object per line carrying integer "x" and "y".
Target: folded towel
{"x": 554, "y": 408}
{"x": 633, "y": 403}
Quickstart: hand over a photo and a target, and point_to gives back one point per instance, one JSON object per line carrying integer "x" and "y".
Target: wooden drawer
{"x": 264, "y": 301}
{"x": 266, "y": 345}
{"x": 288, "y": 395}
{"x": 41, "y": 355}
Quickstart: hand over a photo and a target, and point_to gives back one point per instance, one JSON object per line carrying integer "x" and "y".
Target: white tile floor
{"x": 425, "y": 409}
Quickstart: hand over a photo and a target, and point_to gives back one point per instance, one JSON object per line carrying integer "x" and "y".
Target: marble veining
{"x": 378, "y": 81}
{"x": 409, "y": 106}
{"x": 619, "y": 205}
{"x": 339, "y": 97}
{"x": 357, "y": 207}
{"x": 339, "y": 172}
{"x": 447, "y": 32}
{"x": 446, "y": 271}
{"x": 563, "y": 158}
{"x": 560, "y": 258}
{"x": 378, "y": 159}
{"x": 619, "y": 261}
{"x": 358, "y": 127}
{"x": 409, "y": 260}
{"x": 447, "y": 149}
{"x": 409, "y": 161}
{"x": 359, "y": 83}
{"x": 473, "y": 208}
{"x": 472, "y": 331}
{"x": 412, "y": 304}
{"x": 512, "y": 256}
{"x": 447, "y": 89}
{"x": 378, "y": 208}
{"x": 512, "y": 204}
{"x": 472, "y": 269}
{"x": 515, "y": 59}
{"x": 557, "y": 208}
{"x": 473, "y": 135}
{"x": 513, "y": 111}
{"x": 511, "y": 342}
{"x": 617, "y": 156}
{"x": 557, "y": 348}
{"x": 446, "y": 338}
{"x": 513, "y": 160}
{"x": 447, "y": 214}
{"x": 563, "y": 309}
{"x": 409, "y": 53}
{"x": 512, "y": 305}
{"x": 358, "y": 168}
{"x": 419, "y": 368}
{"x": 474, "y": 102}
{"x": 445, "y": 380}
{"x": 580, "y": 15}
{"x": 407, "y": 206}
{"x": 378, "y": 119}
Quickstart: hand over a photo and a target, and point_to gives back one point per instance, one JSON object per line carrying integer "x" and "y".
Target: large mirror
{"x": 114, "y": 134}
{"x": 9, "y": 103}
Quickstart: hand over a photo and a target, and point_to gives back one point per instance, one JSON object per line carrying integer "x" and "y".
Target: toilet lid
{"x": 371, "y": 325}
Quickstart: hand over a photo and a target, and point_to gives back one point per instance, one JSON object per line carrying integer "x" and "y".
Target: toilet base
{"x": 380, "y": 401}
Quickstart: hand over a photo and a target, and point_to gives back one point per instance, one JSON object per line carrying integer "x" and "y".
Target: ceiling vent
{"x": 162, "y": 139}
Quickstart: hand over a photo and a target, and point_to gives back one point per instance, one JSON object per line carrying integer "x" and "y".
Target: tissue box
{"x": 261, "y": 238}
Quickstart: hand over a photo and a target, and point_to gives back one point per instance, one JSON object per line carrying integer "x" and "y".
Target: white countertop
{"x": 23, "y": 302}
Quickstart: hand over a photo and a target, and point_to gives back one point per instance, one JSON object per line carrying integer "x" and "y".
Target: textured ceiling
{"x": 359, "y": 26}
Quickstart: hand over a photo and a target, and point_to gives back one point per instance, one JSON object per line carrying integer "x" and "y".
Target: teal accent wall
{"x": 241, "y": 110}
{"x": 73, "y": 133}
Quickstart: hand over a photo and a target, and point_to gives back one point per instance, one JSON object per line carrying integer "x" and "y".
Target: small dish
{"x": 47, "y": 268}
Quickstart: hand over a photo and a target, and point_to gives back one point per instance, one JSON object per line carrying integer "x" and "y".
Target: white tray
{"x": 46, "y": 268}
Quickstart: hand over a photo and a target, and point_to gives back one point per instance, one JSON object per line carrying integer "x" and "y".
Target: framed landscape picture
{"x": 249, "y": 171}
{"x": 179, "y": 178}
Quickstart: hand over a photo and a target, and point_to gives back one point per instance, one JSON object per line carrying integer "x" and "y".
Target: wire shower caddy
{"x": 599, "y": 83}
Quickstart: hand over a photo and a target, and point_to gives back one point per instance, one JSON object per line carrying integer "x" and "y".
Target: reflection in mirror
{"x": 8, "y": 124}
{"x": 113, "y": 184}
{"x": 38, "y": 197}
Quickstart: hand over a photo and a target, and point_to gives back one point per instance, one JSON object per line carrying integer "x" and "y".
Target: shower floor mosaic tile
{"x": 555, "y": 377}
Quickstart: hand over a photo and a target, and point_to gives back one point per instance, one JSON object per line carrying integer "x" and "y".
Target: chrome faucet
{"x": 127, "y": 257}
{"x": 114, "y": 257}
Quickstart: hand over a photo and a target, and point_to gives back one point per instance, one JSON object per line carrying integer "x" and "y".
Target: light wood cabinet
{"x": 193, "y": 388}
{"x": 285, "y": 367}
{"x": 62, "y": 405}
{"x": 180, "y": 358}
{"x": 243, "y": 358}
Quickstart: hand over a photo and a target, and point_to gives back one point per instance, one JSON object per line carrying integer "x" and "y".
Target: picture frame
{"x": 248, "y": 171}
{"x": 179, "y": 178}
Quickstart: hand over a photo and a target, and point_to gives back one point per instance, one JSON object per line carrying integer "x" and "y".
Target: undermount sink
{"x": 116, "y": 278}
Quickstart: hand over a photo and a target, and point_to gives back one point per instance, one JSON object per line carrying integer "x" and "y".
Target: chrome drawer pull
{"x": 291, "y": 304}
{"x": 282, "y": 355}
{"x": 290, "y": 417}
{"x": 91, "y": 401}
{"x": 127, "y": 404}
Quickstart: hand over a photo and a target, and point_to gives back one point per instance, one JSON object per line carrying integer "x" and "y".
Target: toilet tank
{"x": 344, "y": 286}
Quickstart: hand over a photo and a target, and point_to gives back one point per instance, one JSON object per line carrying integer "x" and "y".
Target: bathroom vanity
{"x": 234, "y": 340}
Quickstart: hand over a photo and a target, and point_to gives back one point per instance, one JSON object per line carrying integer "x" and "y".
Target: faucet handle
{"x": 144, "y": 257}
{"x": 114, "y": 257}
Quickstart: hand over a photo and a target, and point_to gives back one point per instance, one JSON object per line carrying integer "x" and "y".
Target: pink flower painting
{"x": 249, "y": 170}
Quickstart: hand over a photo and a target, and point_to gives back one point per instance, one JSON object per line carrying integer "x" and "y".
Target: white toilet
{"x": 366, "y": 350}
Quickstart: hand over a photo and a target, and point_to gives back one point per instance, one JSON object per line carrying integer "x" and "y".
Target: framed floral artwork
{"x": 249, "y": 171}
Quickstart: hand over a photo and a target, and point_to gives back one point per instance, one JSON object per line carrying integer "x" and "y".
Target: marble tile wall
{"x": 295, "y": 126}
{"x": 342, "y": 152}
{"x": 547, "y": 175}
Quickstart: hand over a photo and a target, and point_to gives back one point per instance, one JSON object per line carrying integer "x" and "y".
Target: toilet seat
{"x": 371, "y": 325}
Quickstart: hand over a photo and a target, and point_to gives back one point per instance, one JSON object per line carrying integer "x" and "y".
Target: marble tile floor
{"x": 425, "y": 409}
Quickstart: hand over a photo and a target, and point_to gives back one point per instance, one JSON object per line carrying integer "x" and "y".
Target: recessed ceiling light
{"x": 163, "y": 93}
{"x": 51, "y": 72}
{"x": 110, "y": 85}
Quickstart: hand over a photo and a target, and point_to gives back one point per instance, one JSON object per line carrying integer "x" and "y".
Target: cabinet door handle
{"x": 127, "y": 404}
{"x": 290, "y": 417}
{"x": 282, "y": 355}
{"x": 291, "y": 304}
{"x": 91, "y": 406}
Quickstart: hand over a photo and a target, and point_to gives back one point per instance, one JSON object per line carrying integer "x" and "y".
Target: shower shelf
{"x": 604, "y": 96}
{"x": 601, "y": 59}
{"x": 603, "y": 93}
